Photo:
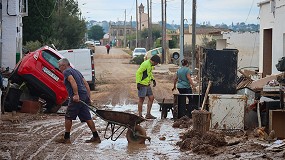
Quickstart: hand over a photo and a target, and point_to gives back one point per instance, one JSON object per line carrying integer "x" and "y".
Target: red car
{"x": 39, "y": 69}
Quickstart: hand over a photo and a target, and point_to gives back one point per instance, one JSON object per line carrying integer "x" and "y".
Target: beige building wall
{"x": 143, "y": 21}
{"x": 199, "y": 39}
{"x": 201, "y": 33}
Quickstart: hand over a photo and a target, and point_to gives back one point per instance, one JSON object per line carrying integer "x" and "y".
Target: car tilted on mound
{"x": 39, "y": 70}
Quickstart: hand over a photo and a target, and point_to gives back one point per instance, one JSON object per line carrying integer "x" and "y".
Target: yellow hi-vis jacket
{"x": 144, "y": 73}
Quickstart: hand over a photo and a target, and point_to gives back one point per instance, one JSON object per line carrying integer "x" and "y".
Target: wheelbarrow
{"x": 166, "y": 105}
{"x": 118, "y": 122}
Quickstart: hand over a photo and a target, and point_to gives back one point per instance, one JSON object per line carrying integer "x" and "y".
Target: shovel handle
{"x": 206, "y": 94}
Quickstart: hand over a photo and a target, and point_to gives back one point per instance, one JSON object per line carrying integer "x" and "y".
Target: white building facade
{"x": 12, "y": 12}
{"x": 272, "y": 35}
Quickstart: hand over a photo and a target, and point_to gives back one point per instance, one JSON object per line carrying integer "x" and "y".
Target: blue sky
{"x": 213, "y": 11}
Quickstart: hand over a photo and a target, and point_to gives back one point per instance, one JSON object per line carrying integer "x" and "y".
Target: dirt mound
{"x": 183, "y": 122}
{"x": 201, "y": 144}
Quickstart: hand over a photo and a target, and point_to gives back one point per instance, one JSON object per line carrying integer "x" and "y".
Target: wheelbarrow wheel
{"x": 132, "y": 138}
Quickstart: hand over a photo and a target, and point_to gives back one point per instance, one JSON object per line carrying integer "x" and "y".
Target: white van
{"x": 83, "y": 61}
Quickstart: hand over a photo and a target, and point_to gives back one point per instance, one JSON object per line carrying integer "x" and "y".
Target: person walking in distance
{"x": 108, "y": 48}
{"x": 78, "y": 90}
{"x": 143, "y": 79}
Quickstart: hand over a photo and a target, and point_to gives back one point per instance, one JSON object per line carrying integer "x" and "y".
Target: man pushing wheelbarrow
{"x": 79, "y": 93}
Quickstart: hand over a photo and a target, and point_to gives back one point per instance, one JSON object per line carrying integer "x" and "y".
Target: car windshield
{"x": 140, "y": 50}
{"x": 51, "y": 58}
{"x": 154, "y": 52}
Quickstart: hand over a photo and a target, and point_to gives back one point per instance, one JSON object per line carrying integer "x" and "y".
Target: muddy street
{"x": 115, "y": 79}
{"x": 32, "y": 136}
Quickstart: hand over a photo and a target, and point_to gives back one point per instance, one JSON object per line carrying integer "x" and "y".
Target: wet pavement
{"x": 162, "y": 144}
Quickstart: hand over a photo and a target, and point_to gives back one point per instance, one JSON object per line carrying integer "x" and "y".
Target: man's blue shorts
{"x": 79, "y": 109}
{"x": 145, "y": 91}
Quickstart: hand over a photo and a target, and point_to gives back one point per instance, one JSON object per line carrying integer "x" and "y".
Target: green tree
{"x": 156, "y": 33}
{"x": 68, "y": 30}
{"x": 206, "y": 43}
{"x": 37, "y": 23}
{"x": 52, "y": 22}
{"x": 96, "y": 32}
{"x": 174, "y": 42}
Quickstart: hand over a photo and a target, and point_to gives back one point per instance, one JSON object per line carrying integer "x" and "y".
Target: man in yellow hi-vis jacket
{"x": 143, "y": 79}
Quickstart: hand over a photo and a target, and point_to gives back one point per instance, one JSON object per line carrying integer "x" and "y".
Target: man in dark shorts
{"x": 78, "y": 89}
{"x": 143, "y": 79}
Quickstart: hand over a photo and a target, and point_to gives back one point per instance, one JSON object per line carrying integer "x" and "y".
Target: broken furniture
{"x": 276, "y": 122}
{"x": 227, "y": 111}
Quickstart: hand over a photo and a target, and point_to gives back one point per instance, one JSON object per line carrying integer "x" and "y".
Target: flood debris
{"x": 162, "y": 138}
{"x": 200, "y": 143}
{"x": 183, "y": 122}
{"x": 263, "y": 135}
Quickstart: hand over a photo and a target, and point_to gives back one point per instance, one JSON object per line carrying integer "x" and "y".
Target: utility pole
{"x": 181, "y": 33}
{"x": 117, "y": 37}
{"x": 148, "y": 24}
{"x": 163, "y": 4}
{"x": 125, "y": 32}
{"x": 131, "y": 31}
{"x": 194, "y": 35}
{"x": 140, "y": 44}
{"x": 137, "y": 23}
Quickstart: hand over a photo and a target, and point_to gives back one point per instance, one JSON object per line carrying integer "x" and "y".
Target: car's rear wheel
{"x": 175, "y": 55}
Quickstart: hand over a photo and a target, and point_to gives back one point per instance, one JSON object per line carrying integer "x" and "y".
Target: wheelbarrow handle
{"x": 93, "y": 108}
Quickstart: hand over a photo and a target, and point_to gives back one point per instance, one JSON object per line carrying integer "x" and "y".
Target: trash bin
{"x": 201, "y": 120}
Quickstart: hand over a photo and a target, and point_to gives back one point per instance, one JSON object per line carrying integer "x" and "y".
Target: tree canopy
{"x": 96, "y": 32}
{"x": 54, "y": 22}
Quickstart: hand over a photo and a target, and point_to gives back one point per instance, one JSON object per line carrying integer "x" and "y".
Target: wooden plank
{"x": 276, "y": 122}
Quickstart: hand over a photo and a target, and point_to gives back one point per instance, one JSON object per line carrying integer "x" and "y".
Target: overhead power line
{"x": 42, "y": 13}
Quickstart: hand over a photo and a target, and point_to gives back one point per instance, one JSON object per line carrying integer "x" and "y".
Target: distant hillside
{"x": 242, "y": 27}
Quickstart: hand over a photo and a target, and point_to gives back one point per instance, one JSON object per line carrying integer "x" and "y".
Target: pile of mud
{"x": 201, "y": 143}
{"x": 183, "y": 122}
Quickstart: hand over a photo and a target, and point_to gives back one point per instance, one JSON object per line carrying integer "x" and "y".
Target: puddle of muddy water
{"x": 131, "y": 108}
{"x": 155, "y": 149}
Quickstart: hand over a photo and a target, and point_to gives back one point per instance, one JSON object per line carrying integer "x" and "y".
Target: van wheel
{"x": 175, "y": 55}
{"x": 92, "y": 86}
